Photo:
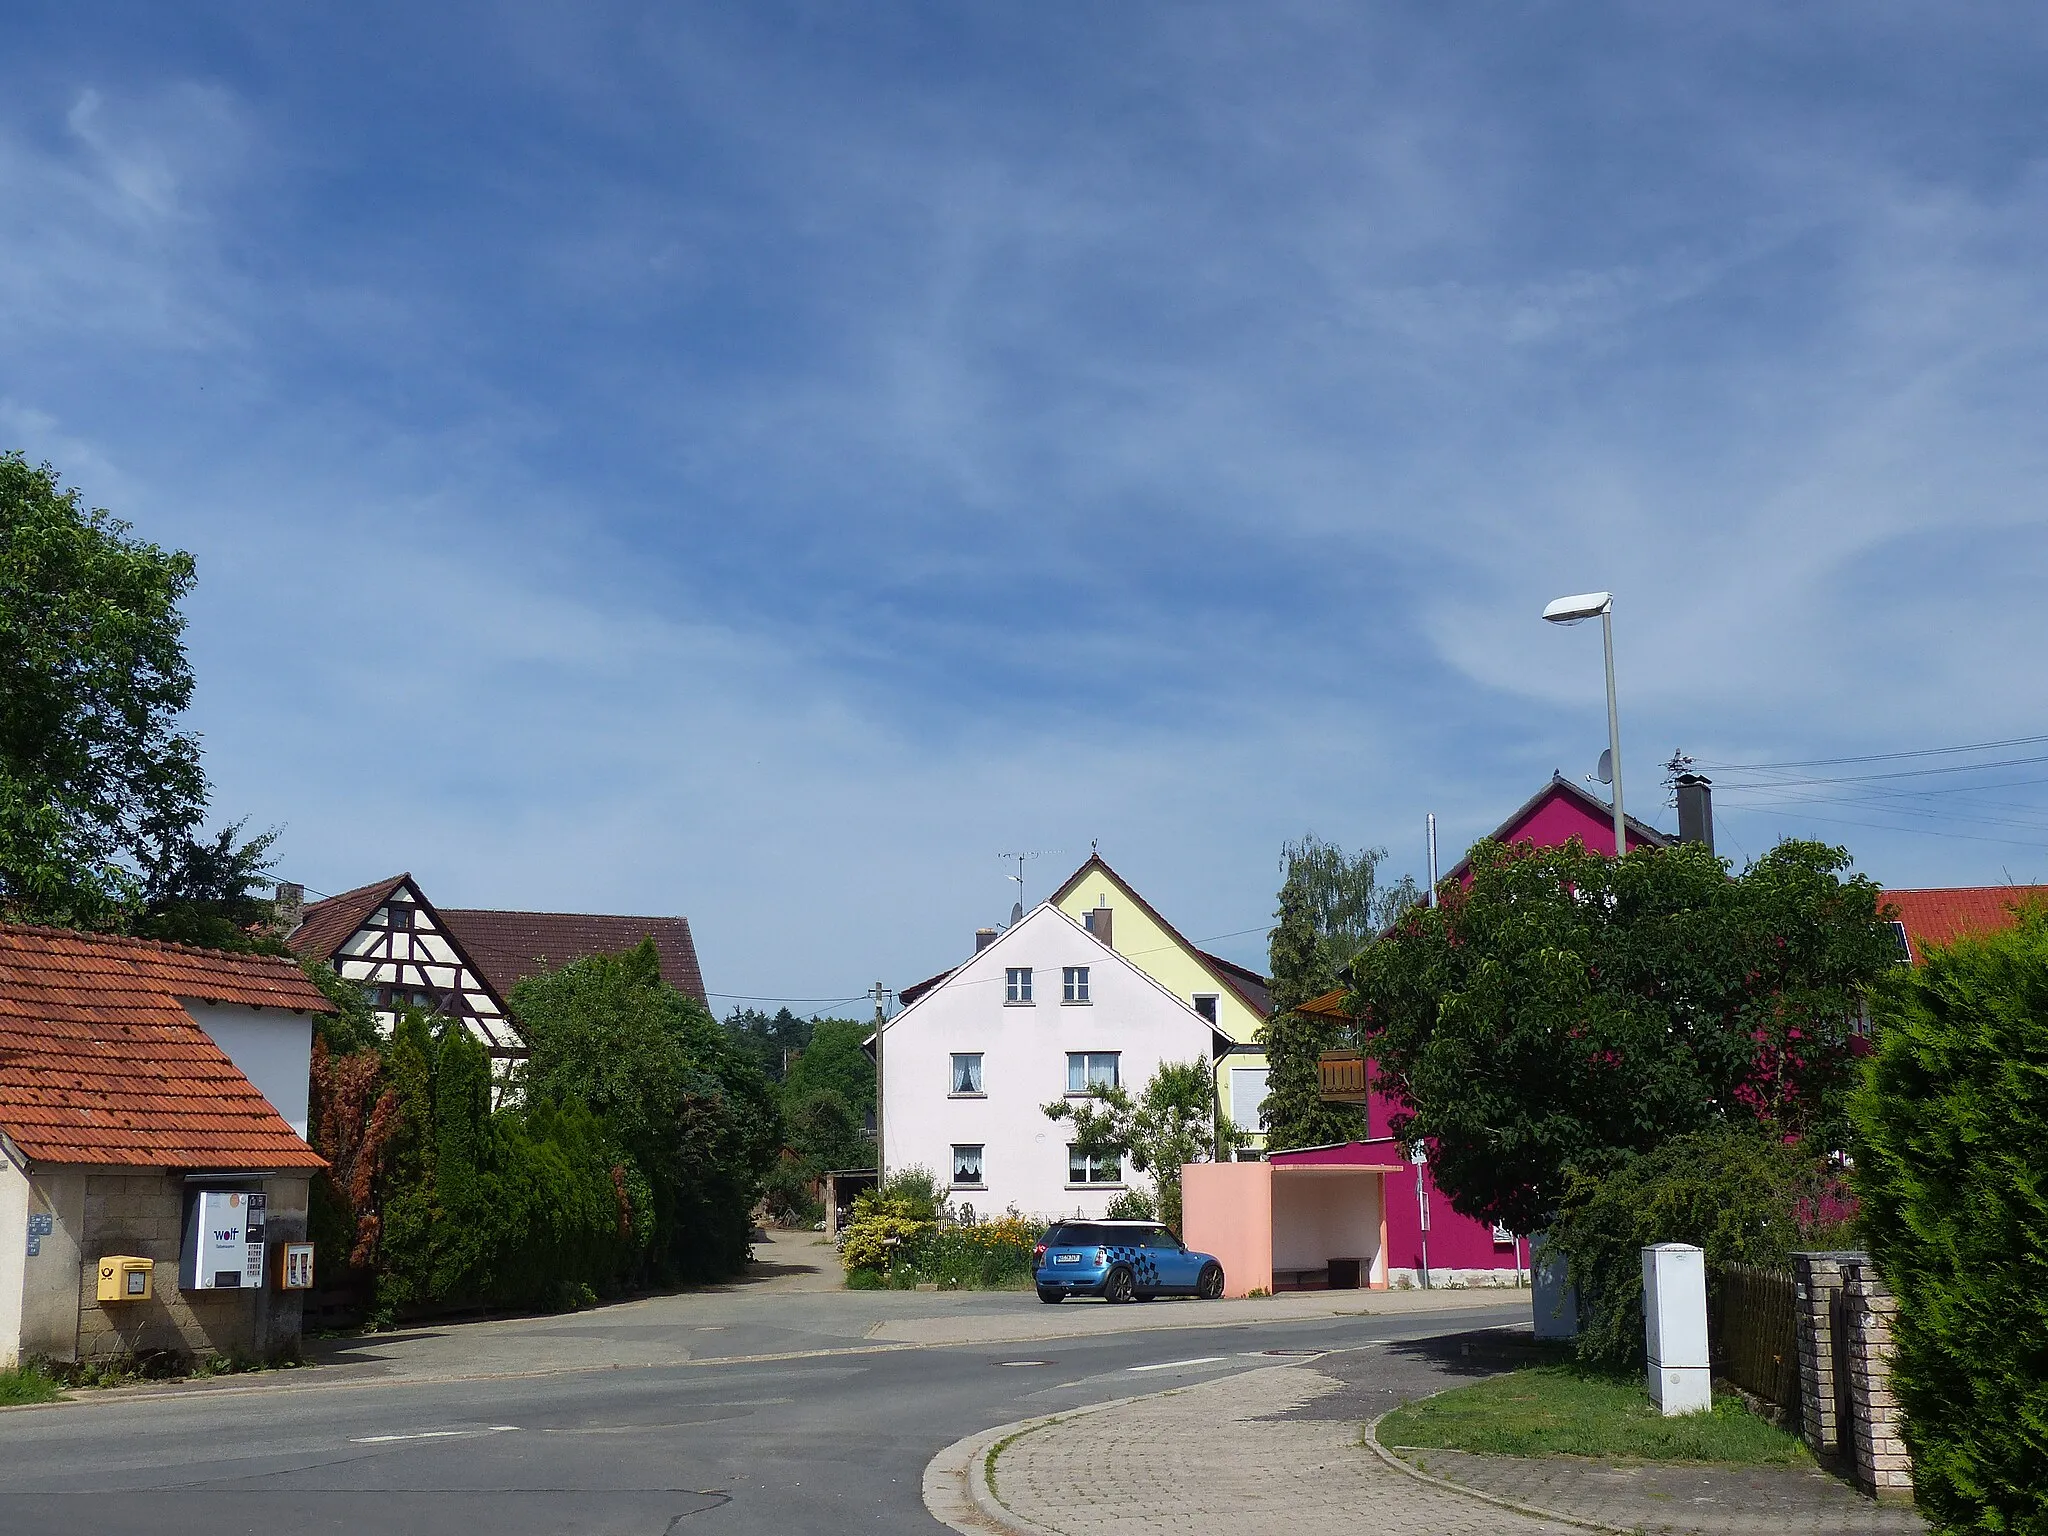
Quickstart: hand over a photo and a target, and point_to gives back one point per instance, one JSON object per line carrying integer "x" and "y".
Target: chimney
{"x": 289, "y": 905}
{"x": 1098, "y": 924}
{"x": 983, "y": 937}
{"x": 1696, "y": 809}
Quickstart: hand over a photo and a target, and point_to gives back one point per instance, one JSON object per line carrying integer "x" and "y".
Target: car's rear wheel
{"x": 1051, "y": 1297}
{"x": 1118, "y": 1285}
{"x": 1210, "y": 1286}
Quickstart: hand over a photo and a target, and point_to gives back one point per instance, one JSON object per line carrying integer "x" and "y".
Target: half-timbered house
{"x": 389, "y": 940}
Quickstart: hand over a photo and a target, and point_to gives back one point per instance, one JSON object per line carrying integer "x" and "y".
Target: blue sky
{"x": 765, "y": 461}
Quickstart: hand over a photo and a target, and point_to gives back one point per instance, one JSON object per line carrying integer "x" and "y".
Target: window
{"x": 400, "y": 914}
{"x": 1905, "y": 954}
{"x": 967, "y": 1167}
{"x": 1019, "y": 978}
{"x": 967, "y": 1073}
{"x": 1082, "y": 1169}
{"x": 1205, "y": 1005}
{"x": 1076, "y": 980}
{"x": 1248, "y": 1098}
{"x": 1091, "y": 1069}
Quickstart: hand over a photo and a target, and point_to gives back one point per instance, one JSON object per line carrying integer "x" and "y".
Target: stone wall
{"x": 1849, "y": 1415}
{"x": 141, "y": 1212}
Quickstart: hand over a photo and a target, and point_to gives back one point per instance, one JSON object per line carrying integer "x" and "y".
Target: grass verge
{"x": 1563, "y": 1410}
{"x": 26, "y": 1385}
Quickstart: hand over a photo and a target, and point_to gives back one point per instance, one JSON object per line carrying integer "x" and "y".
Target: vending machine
{"x": 224, "y": 1241}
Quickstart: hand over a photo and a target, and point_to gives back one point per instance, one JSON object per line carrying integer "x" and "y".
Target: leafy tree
{"x": 352, "y": 1028}
{"x": 406, "y": 1255}
{"x": 1331, "y": 908}
{"x": 834, "y": 1059}
{"x": 1168, "y": 1125}
{"x": 1567, "y": 1009}
{"x": 206, "y": 893}
{"x": 1951, "y": 1122}
{"x": 1731, "y": 1190}
{"x": 770, "y": 1042}
{"x": 825, "y": 1133}
{"x": 695, "y": 1116}
{"x": 97, "y": 780}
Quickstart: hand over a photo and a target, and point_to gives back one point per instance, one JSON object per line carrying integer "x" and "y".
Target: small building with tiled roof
{"x": 140, "y": 1084}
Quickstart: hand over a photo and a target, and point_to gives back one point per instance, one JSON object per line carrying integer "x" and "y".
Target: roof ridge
{"x": 620, "y": 917}
{"x": 91, "y": 935}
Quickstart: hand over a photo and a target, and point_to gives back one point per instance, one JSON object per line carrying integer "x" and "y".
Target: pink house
{"x": 1419, "y": 1218}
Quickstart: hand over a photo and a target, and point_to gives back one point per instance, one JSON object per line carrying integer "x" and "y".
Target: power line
{"x": 1872, "y": 756}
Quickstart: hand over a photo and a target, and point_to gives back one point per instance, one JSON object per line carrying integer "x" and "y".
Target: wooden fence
{"x": 1753, "y": 1326}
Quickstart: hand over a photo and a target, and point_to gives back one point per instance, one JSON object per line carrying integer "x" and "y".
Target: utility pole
{"x": 881, "y": 1026}
{"x": 1432, "y": 858}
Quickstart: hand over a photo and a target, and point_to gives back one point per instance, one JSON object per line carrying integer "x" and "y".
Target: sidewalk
{"x": 1278, "y": 1451}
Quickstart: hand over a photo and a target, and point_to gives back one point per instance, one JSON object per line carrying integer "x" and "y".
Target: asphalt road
{"x": 827, "y": 1443}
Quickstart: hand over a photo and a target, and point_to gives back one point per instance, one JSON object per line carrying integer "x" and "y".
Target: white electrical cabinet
{"x": 1675, "y": 1328}
{"x": 224, "y": 1241}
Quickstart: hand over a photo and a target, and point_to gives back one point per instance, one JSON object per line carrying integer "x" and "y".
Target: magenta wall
{"x": 1557, "y": 819}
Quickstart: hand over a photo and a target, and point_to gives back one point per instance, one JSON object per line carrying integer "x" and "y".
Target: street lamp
{"x": 1573, "y": 610}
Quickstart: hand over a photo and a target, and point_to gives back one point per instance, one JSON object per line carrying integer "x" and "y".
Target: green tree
{"x": 1951, "y": 1124}
{"x": 405, "y": 1274}
{"x": 96, "y": 777}
{"x": 834, "y": 1059}
{"x": 207, "y": 892}
{"x": 1169, "y": 1124}
{"x": 770, "y": 1042}
{"x": 1331, "y": 906}
{"x": 1568, "y": 1009}
{"x": 691, "y": 1110}
{"x": 352, "y": 1027}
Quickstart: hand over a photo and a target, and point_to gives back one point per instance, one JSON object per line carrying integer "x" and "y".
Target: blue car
{"x": 1122, "y": 1261}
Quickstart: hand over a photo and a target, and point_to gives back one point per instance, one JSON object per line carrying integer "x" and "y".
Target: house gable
{"x": 1138, "y": 932}
{"x": 1557, "y": 813}
{"x": 389, "y": 940}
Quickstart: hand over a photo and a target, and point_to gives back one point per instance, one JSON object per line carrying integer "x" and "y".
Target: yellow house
{"x": 1229, "y": 996}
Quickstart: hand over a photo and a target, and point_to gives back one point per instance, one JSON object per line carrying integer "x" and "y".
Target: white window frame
{"x": 1096, "y": 1172}
{"x": 1074, "y": 984}
{"x": 1017, "y": 986}
{"x": 1087, "y": 1060}
{"x": 980, "y": 1151}
{"x": 953, "y": 1088}
{"x": 1215, "y": 1002}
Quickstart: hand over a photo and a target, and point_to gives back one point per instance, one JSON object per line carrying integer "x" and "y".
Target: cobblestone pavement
{"x": 1737, "y": 1501}
{"x": 1278, "y": 1451}
{"x": 1222, "y": 1459}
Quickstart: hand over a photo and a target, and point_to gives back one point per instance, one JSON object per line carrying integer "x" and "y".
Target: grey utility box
{"x": 1675, "y": 1328}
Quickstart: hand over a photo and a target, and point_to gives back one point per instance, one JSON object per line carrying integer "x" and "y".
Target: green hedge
{"x": 1953, "y": 1171}
{"x": 1737, "y": 1194}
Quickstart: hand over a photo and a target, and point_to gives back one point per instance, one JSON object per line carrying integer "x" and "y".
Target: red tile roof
{"x": 327, "y": 924}
{"x": 508, "y": 946}
{"x": 1943, "y": 914}
{"x": 100, "y": 1064}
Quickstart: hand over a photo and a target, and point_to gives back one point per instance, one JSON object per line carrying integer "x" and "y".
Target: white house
{"x": 1040, "y": 1012}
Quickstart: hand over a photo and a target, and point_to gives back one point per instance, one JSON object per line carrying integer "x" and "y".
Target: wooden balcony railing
{"x": 1343, "y": 1077}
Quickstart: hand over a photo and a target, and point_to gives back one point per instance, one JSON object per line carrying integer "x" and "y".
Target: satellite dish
{"x": 1605, "y": 772}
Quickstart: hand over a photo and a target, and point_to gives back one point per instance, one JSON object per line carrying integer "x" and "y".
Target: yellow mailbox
{"x": 126, "y": 1278}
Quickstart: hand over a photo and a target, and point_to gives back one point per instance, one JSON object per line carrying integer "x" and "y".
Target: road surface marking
{"x": 1167, "y": 1365}
{"x": 436, "y": 1434}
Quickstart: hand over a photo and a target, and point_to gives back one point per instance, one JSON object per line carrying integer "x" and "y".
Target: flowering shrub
{"x": 894, "y": 1247}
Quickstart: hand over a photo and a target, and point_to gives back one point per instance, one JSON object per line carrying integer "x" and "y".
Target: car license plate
{"x": 1066, "y": 1258}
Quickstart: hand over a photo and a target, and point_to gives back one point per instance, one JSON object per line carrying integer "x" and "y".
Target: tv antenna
{"x": 1017, "y": 911}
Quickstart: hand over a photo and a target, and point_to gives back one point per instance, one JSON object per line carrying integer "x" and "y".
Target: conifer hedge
{"x": 1953, "y": 1170}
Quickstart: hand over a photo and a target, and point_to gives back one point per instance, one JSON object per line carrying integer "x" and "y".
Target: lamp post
{"x": 1574, "y": 610}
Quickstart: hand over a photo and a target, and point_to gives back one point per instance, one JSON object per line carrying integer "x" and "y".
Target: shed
{"x": 1310, "y": 1219}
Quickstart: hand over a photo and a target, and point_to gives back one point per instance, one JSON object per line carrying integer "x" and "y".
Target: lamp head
{"x": 1587, "y": 605}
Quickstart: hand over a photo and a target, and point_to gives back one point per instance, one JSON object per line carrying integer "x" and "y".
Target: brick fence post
{"x": 1882, "y": 1465}
{"x": 1817, "y": 1277}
